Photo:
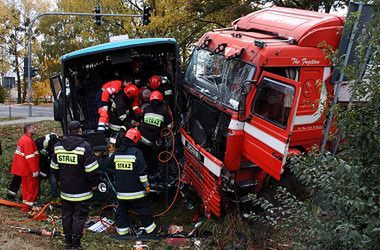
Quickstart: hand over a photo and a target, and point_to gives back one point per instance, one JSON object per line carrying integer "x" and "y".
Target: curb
{"x": 27, "y": 120}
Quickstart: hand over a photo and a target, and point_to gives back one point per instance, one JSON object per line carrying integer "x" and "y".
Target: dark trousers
{"x": 53, "y": 186}
{"x": 140, "y": 205}
{"x": 14, "y": 186}
{"x": 74, "y": 215}
{"x": 151, "y": 157}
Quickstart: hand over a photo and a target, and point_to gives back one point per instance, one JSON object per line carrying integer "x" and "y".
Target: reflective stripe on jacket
{"x": 75, "y": 162}
{"x": 154, "y": 120}
{"x": 130, "y": 171}
{"x": 109, "y": 89}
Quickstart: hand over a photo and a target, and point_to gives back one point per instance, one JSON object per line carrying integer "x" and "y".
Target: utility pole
{"x": 9, "y": 97}
{"x": 338, "y": 84}
{"x": 96, "y": 15}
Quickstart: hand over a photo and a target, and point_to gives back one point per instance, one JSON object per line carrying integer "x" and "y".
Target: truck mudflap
{"x": 202, "y": 171}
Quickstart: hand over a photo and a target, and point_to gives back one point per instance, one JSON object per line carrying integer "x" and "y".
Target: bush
{"x": 344, "y": 212}
{"x": 345, "y": 208}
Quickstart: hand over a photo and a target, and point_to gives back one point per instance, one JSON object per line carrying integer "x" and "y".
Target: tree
{"x": 186, "y": 21}
{"x": 326, "y": 5}
{"x": 41, "y": 90}
{"x": 16, "y": 18}
{"x": 64, "y": 34}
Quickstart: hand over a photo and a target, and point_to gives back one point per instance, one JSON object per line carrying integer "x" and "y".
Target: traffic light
{"x": 146, "y": 15}
{"x": 97, "y": 18}
{"x": 34, "y": 71}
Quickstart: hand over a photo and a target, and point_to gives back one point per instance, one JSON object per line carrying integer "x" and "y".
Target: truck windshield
{"x": 217, "y": 77}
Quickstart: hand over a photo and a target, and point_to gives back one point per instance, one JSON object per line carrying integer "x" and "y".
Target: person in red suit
{"x": 108, "y": 93}
{"x": 26, "y": 164}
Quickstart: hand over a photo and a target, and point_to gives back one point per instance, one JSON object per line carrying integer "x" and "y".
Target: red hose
{"x": 170, "y": 155}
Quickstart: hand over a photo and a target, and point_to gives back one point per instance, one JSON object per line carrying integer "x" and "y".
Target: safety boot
{"x": 76, "y": 242}
{"x": 11, "y": 197}
{"x": 68, "y": 241}
{"x": 142, "y": 231}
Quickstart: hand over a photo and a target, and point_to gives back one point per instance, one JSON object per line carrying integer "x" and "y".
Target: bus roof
{"x": 118, "y": 45}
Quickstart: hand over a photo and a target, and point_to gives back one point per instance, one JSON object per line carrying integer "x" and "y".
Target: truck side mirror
{"x": 245, "y": 89}
{"x": 247, "y": 86}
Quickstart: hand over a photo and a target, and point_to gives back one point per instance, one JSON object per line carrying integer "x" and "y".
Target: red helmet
{"x": 155, "y": 82}
{"x": 156, "y": 95}
{"x": 131, "y": 90}
{"x": 133, "y": 134}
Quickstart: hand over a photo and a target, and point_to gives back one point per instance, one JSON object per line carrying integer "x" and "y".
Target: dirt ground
{"x": 11, "y": 238}
{"x": 228, "y": 232}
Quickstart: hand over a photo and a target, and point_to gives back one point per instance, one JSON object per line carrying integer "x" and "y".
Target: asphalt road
{"x": 23, "y": 111}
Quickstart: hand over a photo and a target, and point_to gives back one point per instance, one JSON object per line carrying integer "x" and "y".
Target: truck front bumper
{"x": 202, "y": 171}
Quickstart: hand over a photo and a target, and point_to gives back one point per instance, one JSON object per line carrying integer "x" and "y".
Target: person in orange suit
{"x": 26, "y": 164}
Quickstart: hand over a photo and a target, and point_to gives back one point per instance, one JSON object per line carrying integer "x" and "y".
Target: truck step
{"x": 247, "y": 164}
{"x": 243, "y": 199}
{"x": 246, "y": 184}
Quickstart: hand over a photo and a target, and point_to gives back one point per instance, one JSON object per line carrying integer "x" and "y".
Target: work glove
{"x": 138, "y": 112}
{"x": 147, "y": 188}
{"x": 35, "y": 174}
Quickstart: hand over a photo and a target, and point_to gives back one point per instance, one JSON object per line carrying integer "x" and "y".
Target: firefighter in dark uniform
{"x": 156, "y": 116}
{"x": 75, "y": 162}
{"x": 45, "y": 145}
{"x": 121, "y": 107}
{"x": 131, "y": 184}
{"x": 161, "y": 83}
{"x": 107, "y": 93}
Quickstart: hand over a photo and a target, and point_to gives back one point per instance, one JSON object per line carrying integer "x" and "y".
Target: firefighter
{"x": 26, "y": 164}
{"x": 75, "y": 163}
{"x": 137, "y": 106}
{"x": 156, "y": 116}
{"x": 109, "y": 90}
{"x": 121, "y": 107}
{"x": 131, "y": 184}
{"x": 13, "y": 188}
{"x": 45, "y": 145}
{"x": 161, "y": 83}
{"x": 102, "y": 99}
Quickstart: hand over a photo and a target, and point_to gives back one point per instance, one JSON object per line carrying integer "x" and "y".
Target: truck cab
{"x": 252, "y": 94}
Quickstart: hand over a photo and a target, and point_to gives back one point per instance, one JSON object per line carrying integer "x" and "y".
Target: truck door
{"x": 56, "y": 86}
{"x": 273, "y": 109}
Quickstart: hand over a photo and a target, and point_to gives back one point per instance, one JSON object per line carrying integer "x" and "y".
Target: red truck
{"x": 253, "y": 94}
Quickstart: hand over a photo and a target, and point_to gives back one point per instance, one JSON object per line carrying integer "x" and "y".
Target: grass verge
{"x": 3, "y": 119}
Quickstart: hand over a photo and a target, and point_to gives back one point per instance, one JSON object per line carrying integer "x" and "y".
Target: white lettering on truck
{"x": 304, "y": 61}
